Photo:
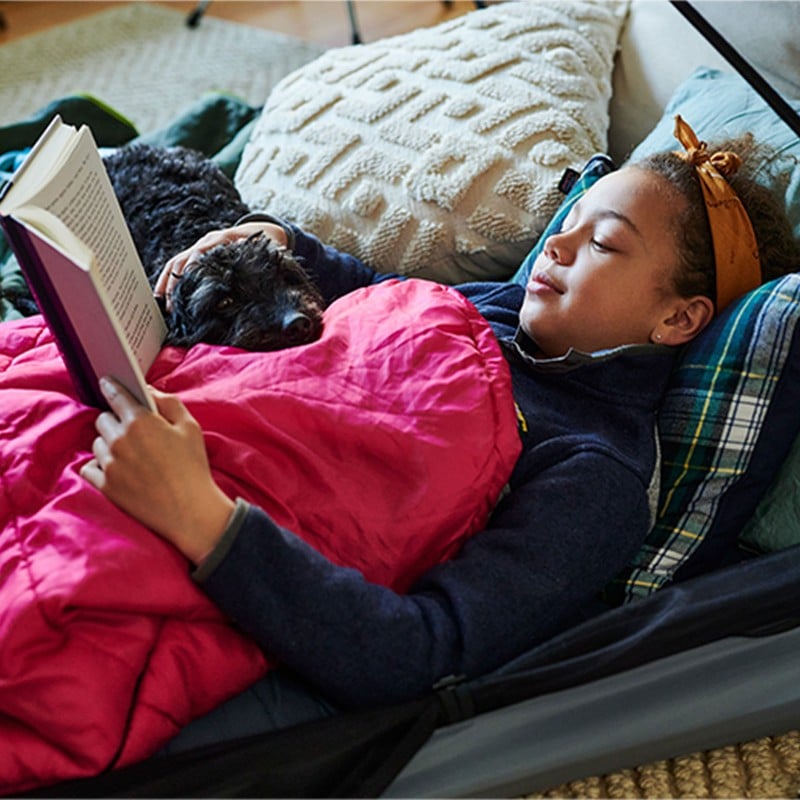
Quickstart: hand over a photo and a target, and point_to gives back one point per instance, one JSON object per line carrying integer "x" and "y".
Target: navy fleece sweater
{"x": 580, "y": 506}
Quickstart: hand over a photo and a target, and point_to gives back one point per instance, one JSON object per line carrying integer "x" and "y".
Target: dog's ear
{"x": 177, "y": 339}
{"x": 180, "y": 327}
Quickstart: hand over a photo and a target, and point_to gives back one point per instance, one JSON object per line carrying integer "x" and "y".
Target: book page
{"x": 49, "y": 150}
{"x": 80, "y": 195}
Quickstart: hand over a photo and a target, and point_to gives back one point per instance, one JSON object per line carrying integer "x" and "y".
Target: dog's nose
{"x": 296, "y": 327}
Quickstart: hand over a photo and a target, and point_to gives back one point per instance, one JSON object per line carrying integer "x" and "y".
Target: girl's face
{"x": 605, "y": 279}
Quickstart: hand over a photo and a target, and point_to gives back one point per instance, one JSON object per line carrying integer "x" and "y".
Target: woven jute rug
{"x": 145, "y": 62}
{"x": 763, "y": 768}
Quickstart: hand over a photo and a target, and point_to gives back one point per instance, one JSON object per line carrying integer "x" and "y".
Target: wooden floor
{"x": 323, "y": 21}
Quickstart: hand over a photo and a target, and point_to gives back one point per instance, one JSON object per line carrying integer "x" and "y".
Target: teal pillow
{"x": 729, "y": 414}
{"x": 721, "y": 105}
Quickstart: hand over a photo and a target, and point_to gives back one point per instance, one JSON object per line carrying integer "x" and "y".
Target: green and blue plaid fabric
{"x": 709, "y": 424}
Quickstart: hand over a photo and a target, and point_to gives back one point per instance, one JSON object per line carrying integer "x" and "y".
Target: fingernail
{"x": 107, "y": 386}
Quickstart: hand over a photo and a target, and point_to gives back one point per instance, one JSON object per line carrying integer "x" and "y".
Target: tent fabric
{"x": 360, "y": 754}
{"x": 721, "y": 615}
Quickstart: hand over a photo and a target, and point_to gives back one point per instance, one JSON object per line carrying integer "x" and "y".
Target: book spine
{"x": 5, "y": 186}
{"x": 54, "y": 313}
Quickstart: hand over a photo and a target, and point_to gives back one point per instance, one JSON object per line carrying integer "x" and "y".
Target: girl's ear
{"x": 685, "y": 321}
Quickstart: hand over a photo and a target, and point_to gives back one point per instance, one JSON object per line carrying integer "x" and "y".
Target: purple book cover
{"x": 53, "y": 311}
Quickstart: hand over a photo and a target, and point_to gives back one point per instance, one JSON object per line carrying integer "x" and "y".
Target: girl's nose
{"x": 558, "y": 248}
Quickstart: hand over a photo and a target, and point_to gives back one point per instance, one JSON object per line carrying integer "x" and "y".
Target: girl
{"x": 642, "y": 263}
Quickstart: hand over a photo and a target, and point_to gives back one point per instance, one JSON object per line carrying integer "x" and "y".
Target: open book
{"x": 66, "y": 228}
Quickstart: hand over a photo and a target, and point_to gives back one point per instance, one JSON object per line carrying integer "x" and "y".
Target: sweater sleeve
{"x": 335, "y": 273}
{"x": 550, "y": 547}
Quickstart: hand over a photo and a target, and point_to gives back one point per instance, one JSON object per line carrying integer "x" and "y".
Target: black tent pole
{"x": 743, "y": 67}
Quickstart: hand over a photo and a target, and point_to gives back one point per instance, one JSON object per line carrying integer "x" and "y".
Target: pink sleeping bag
{"x": 399, "y": 418}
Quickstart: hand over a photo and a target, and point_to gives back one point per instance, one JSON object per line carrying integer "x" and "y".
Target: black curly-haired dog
{"x": 250, "y": 293}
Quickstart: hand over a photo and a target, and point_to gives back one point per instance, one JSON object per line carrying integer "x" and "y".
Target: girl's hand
{"x": 155, "y": 468}
{"x": 184, "y": 260}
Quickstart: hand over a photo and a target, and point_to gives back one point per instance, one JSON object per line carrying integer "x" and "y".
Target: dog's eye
{"x": 226, "y": 302}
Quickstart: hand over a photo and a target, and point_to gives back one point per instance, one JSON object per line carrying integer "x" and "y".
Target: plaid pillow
{"x": 726, "y": 424}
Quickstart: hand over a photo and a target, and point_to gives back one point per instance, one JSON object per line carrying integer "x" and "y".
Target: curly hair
{"x": 760, "y": 184}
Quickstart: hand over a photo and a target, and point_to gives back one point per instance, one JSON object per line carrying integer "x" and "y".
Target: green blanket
{"x": 217, "y": 125}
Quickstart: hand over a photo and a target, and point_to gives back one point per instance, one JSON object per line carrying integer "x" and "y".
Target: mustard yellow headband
{"x": 738, "y": 269}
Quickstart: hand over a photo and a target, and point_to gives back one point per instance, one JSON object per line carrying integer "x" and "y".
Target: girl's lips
{"x": 542, "y": 282}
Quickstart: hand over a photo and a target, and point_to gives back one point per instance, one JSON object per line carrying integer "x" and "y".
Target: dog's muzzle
{"x": 298, "y": 327}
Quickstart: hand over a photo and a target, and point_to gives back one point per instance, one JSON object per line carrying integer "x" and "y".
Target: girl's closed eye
{"x": 608, "y": 235}
{"x": 601, "y": 246}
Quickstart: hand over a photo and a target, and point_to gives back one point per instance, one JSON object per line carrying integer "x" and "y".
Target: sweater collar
{"x": 525, "y": 348}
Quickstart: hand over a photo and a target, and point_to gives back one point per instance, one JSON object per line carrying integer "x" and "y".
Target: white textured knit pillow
{"x": 438, "y": 153}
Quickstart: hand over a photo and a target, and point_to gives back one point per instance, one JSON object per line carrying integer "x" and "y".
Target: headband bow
{"x": 737, "y": 266}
